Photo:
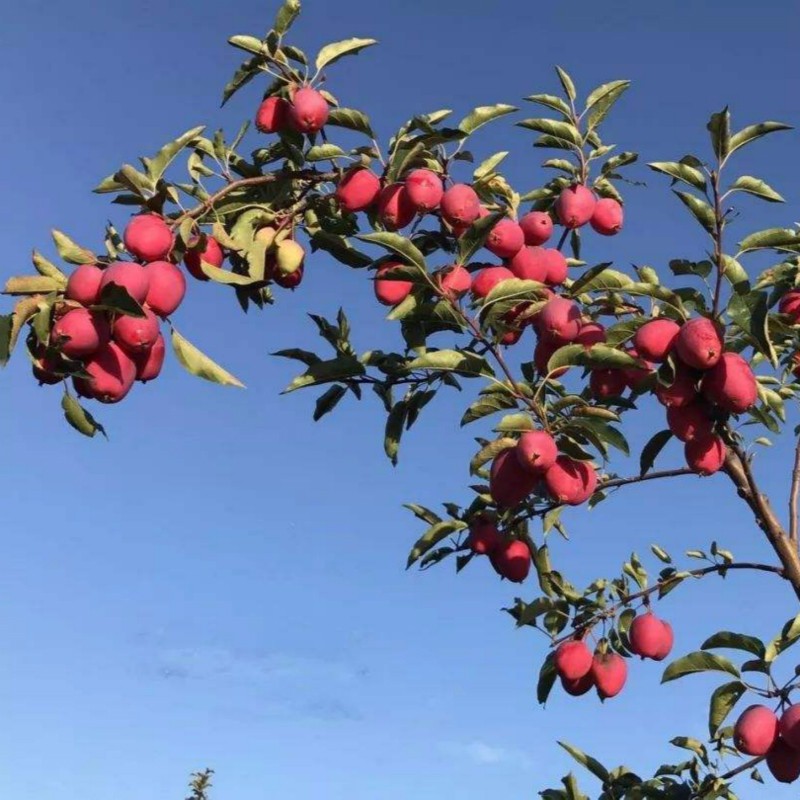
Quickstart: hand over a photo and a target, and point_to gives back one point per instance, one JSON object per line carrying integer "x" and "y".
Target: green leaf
{"x": 567, "y": 83}
{"x": 701, "y": 210}
{"x": 620, "y": 160}
{"x": 698, "y": 662}
{"x": 723, "y": 700}
{"x": 719, "y": 126}
{"x": 757, "y": 187}
{"x": 772, "y": 238}
{"x": 399, "y": 245}
{"x": 483, "y": 114}
{"x": 296, "y": 354}
{"x": 562, "y": 164}
{"x": 597, "y": 356}
{"x": 425, "y": 514}
{"x": 753, "y": 132}
{"x": 515, "y": 423}
{"x": 514, "y": 289}
{"x": 490, "y": 402}
{"x": 47, "y": 269}
{"x": 241, "y": 77}
{"x": 25, "y": 309}
{"x": 287, "y": 14}
{"x": 250, "y": 44}
{"x": 551, "y": 101}
{"x": 784, "y": 640}
{"x": 435, "y": 534}
{"x": 325, "y": 152}
{"x": 735, "y": 274}
{"x": 547, "y": 678}
{"x": 600, "y": 101}
{"x": 109, "y": 184}
{"x": 553, "y": 127}
{"x": 601, "y": 430}
{"x": 226, "y": 276}
{"x": 31, "y": 284}
{"x": 139, "y": 183}
{"x": 592, "y": 764}
{"x": 489, "y": 166}
{"x": 347, "y": 47}
{"x": 651, "y": 451}
{"x": 330, "y": 371}
{"x": 199, "y": 364}
{"x": 599, "y": 278}
{"x": 295, "y": 54}
{"x": 475, "y": 237}
{"x": 116, "y": 298}
{"x": 71, "y": 252}
{"x": 680, "y": 172}
{"x": 79, "y": 417}
{"x": 328, "y": 401}
{"x": 395, "y": 423}
{"x": 352, "y": 120}
{"x": 734, "y": 641}
{"x": 490, "y": 452}
{"x": 460, "y": 361}
{"x": 340, "y": 249}
{"x": 751, "y": 313}
{"x": 170, "y": 151}
{"x": 661, "y": 554}
{"x": 659, "y": 293}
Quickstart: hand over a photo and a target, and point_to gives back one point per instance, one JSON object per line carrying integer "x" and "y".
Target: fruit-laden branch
{"x": 701, "y": 572}
{"x": 737, "y": 467}
{"x": 313, "y": 176}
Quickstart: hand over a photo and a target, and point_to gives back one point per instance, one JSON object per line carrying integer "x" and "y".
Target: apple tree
{"x": 501, "y": 293}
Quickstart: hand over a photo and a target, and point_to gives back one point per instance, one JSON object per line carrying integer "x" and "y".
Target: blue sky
{"x": 222, "y": 583}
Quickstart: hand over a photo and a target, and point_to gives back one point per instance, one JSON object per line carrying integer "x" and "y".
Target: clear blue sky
{"x": 222, "y": 584}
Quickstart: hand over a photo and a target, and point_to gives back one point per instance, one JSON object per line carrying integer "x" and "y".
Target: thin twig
{"x": 650, "y": 476}
{"x": 748, "y": 765}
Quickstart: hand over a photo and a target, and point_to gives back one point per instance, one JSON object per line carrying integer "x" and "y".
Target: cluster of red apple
{"x": 511, "y": 558}
{"x": 306, "y": 112}
{"x": 759, "y": 732}
{"x": 517, "y": 243}
{"x": 706, "y": 380}
{"x": 515, "y": 473}
{"x": 579, "y": 669}
{"x": 535, "y": 462}
{"x": 113, "y": 350}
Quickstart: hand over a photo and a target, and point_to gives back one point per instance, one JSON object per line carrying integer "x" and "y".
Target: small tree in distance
{"x": 560, "y": 350}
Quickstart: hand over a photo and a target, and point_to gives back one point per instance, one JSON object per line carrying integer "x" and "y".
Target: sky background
{"x": 222, "y": 583}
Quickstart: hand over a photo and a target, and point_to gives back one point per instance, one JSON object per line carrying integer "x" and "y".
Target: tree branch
{"x": 794, "y": 495}
{"x": 737, "y": 467}
{"x": 650, "y": 476}
{"x": 748, "y": 765}
{"x": 261, "y": 180}
{"x": 694, "y": 573}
